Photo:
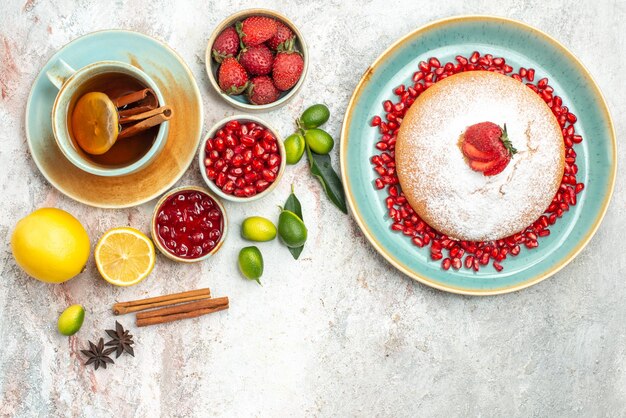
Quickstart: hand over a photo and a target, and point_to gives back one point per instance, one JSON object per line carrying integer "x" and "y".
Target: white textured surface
{"x": 339, "y": 332}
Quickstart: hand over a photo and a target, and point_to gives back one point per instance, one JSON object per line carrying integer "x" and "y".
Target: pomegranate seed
{"x": 376, "y": 121}
{"x": 456, "y": 263}
{"x": 434, "y": 62}
{"x": 268, "y": 175}
{"x": 446, "y": 263}
{"x": 273, "y": 160}
{"x": 579, "y": 187}
{"x": 219, "y": 144}
{"x": 530, "y": 76}
{"x": 258, "y": 150}
{"x": 220, "y": 180}
{"x": 228, "y": 187}
{"x": 497, "y": 266}
{"x": 261, "y": 185}
{"x": 418, "y": 241}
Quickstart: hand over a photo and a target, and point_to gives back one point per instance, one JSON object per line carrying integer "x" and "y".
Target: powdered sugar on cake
{"x": 438, "y": 182}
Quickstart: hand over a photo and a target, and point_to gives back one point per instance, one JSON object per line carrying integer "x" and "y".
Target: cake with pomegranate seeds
{"x": 479, "y": 156}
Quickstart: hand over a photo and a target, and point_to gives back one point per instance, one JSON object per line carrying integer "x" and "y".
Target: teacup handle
{"x": 59, "y": 73}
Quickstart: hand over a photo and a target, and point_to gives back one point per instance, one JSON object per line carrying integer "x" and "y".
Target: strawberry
{"x": 226, "y": 44}
{"x": 483, "y": 166}
{"x": 283, "y": 40}
{"x": 287, "y": 69}
{"x": 499, "y": 167}
{"x": 257, "y": 60}
{"x": 232, "y": 77}
{"x": 487, "y": 147}
{"x": 262, "y": 90}
{"x": 255, "y": 30}
{"x": 474, "y": 154}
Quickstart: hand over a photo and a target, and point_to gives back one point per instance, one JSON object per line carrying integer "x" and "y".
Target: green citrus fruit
{"x": 294, "y": 148}
{"x": 251, "y": 263}
{"x": 314, "y": 116}
{"x": 291, "y": 229}
{"x": 71, "y": 320}
{"x": 256, "y": 228}
{"x": 319, "y": 141}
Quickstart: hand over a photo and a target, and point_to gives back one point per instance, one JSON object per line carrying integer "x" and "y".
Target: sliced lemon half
{"x": 124, "y": 256}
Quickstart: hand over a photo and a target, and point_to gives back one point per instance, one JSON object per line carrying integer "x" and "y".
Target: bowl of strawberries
{"x": 256, "y": 60}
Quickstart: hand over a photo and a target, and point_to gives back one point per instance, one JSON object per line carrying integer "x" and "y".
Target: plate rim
{"x": 175, "y": 179}
{"x": 582, "y": 243}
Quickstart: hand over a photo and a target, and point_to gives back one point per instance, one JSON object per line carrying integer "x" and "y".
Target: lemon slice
{"x": 124, "y": 256}
{"x": 95, "y": 123}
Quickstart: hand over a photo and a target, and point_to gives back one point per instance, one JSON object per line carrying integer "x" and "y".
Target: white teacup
{"x": 68, "y": 81}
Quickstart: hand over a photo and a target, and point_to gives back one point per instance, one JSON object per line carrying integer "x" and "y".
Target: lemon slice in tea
{"x": 95, "y": 123}
{"x": 124, "y": 256}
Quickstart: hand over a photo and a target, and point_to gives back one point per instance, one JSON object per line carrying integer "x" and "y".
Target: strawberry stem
{"x": 507, "y": 142}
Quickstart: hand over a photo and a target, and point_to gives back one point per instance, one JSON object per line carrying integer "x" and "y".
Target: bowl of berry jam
{"x": 242, "y": 158}
{"x": 189, "y": 224}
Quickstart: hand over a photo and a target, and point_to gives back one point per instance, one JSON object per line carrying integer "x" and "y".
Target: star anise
{"x": 98, "y": 355}
{"x": 121, "y": 340}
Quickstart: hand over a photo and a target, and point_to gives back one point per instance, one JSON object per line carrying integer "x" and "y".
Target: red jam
{"x": 189, "y": 224}
{"x": 242, "y": 159}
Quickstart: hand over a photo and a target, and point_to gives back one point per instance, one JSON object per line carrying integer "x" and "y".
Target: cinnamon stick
{"x": 164, "y": 115}
{"x": 164, "y": 300}
{"x": 184, "y": 311}
{"x": 132, "y": 97}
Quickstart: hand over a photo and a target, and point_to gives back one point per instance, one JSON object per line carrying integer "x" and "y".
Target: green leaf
{"x": 293, "y": 205}
{"x": 323, "y": 170}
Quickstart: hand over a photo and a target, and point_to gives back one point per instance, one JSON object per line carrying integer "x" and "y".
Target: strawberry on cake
{"x": 479, "y": 156}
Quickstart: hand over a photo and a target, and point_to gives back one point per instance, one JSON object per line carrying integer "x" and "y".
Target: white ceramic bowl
{"x": 211, "y": 134}
{"x": 240, "y": 101}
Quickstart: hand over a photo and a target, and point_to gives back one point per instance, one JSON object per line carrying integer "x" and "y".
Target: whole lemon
{"x": 50, "y": 245}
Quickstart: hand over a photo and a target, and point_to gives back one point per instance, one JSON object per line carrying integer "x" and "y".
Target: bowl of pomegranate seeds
{"x": 256, "y": 60}
{"x": 242, "y": 158}
{"x": 189, "y": 224}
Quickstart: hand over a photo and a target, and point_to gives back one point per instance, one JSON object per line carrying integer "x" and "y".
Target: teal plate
{"x": 522, "y": 46}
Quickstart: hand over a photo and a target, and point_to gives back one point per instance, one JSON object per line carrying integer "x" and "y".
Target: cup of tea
{"x": 114, "y": 79}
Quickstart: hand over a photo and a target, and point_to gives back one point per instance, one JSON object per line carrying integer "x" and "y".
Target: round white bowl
{"x": 240, "y": 101}
{"x": 211, "y": 134}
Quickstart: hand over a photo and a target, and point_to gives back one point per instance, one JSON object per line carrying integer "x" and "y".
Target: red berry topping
{"x": 243, "y": 158}
{"x": 287, "y": 69}
{"x": 257, "y": 60}
{"x": 256, "y": 29}
{"x": 262, "y": 90}
{"x": 232, "y": 77}
{"x": 226, "y": 44}
{"x": 487, "y": 148}
{"x": 283, "y": 40}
